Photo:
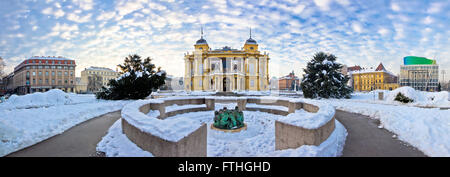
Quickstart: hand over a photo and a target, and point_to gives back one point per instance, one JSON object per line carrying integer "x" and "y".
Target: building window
{"x": 34, "y": 73}
{"x": 59, "y": 73}
{"x": 200, "y": 83}
{"x": 53, "y": 81}
{"x": 53, "y": 73}
{"x": 252, "y": 68}
{"x": 71, "y": 73}
{"x": 252, "y": 82}
{"x": 40, "y": 73}
{"x": 65, "y": 73}
{"x": 46, "y": 81}
{"x": 46, "y": 73}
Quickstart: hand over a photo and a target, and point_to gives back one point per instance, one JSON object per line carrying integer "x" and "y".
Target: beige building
{"x": 40, "y": 74}
{"x": 226, "y": 69}
{"x": 94, "y": 78}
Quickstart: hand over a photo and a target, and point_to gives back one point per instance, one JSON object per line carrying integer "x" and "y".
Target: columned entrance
{"x": 226, "y": 83}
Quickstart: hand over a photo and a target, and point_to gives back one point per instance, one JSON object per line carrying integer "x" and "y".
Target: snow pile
{"x": 409, "y": 92}
{"x": 20, "y": 128}
{"x": 424, "y": 128}
{"x": 421, "y": 98}
{"x": 309, "y": 120}
{"x": 170, "y": 130}
{"x": 50, "y": 98}
{"x": 117, "y": 144}
{"x": 442, "y": 96}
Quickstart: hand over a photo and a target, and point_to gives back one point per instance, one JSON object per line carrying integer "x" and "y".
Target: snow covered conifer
{"x": 323, "y": 79}
{"x": 138, "y": 79}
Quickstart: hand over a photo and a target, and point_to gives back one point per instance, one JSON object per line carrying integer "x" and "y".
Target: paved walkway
{"x": 78, "y": 141}
{"x": 365, "y": 139}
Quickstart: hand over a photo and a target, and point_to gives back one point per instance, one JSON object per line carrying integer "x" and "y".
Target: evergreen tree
{"x": 439, "y": 87}
{"x": 138, "y": 79}
{"x": 323, "y": 79}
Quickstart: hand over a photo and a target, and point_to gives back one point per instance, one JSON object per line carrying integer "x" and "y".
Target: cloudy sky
{"x": 102, "y": 33}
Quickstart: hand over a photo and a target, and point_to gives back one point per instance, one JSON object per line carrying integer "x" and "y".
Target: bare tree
{"x": 2, "y": 67}
{"x": 94, "y": 83}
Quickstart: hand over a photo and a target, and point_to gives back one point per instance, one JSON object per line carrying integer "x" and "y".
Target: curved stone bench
{"x": 154, "y": 134}
{"x": 288, "y": 135}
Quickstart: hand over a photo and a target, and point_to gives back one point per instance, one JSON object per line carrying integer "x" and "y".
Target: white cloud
{"x": 84, "y": 4}
{"x": 323, "y": 4}
{"x": 343, "y": 2}
{"x": 383, "y": 31}
{"x": 58, "y": 5}
{"x": 64, "y": 31}
{"x": 399, "y": 30}
{"x": 435, "y": 8}
{"x": 106, "y": 16}
{"x": 74, "y": 17}
{"x": 428, "y": 20}
{"x": 357, "y": 27}
{"x": 395, "y": 7}
{"x": 126, "y": 7}
{"x": 56, "y": 13}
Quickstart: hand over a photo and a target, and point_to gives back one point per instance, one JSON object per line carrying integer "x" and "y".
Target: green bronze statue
{"x": 228, "y": 119}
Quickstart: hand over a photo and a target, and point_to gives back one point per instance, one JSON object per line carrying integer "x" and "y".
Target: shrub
{"x": 402, "y": 98}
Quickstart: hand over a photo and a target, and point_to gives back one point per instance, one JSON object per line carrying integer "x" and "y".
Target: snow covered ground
{"x": 257, "y": 140}
{"x": 29, "y": 119}
{"x": 428, "y": 129}
{"x": 421, "y": 98}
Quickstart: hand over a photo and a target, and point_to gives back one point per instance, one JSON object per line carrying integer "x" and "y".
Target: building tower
{"x": 250, "y": 44}
{"x": 201, "y": 44}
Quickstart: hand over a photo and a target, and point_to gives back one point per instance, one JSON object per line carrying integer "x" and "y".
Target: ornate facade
{"x": 226, "y": 69}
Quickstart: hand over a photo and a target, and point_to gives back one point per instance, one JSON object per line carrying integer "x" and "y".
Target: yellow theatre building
{"x": 226, "y": 69}
{"x": 370, "y": 79}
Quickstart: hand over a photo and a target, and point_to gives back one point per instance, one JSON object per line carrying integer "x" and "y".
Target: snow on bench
{"x": 253, "y": 105}
{"x": 176, "y": 107}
